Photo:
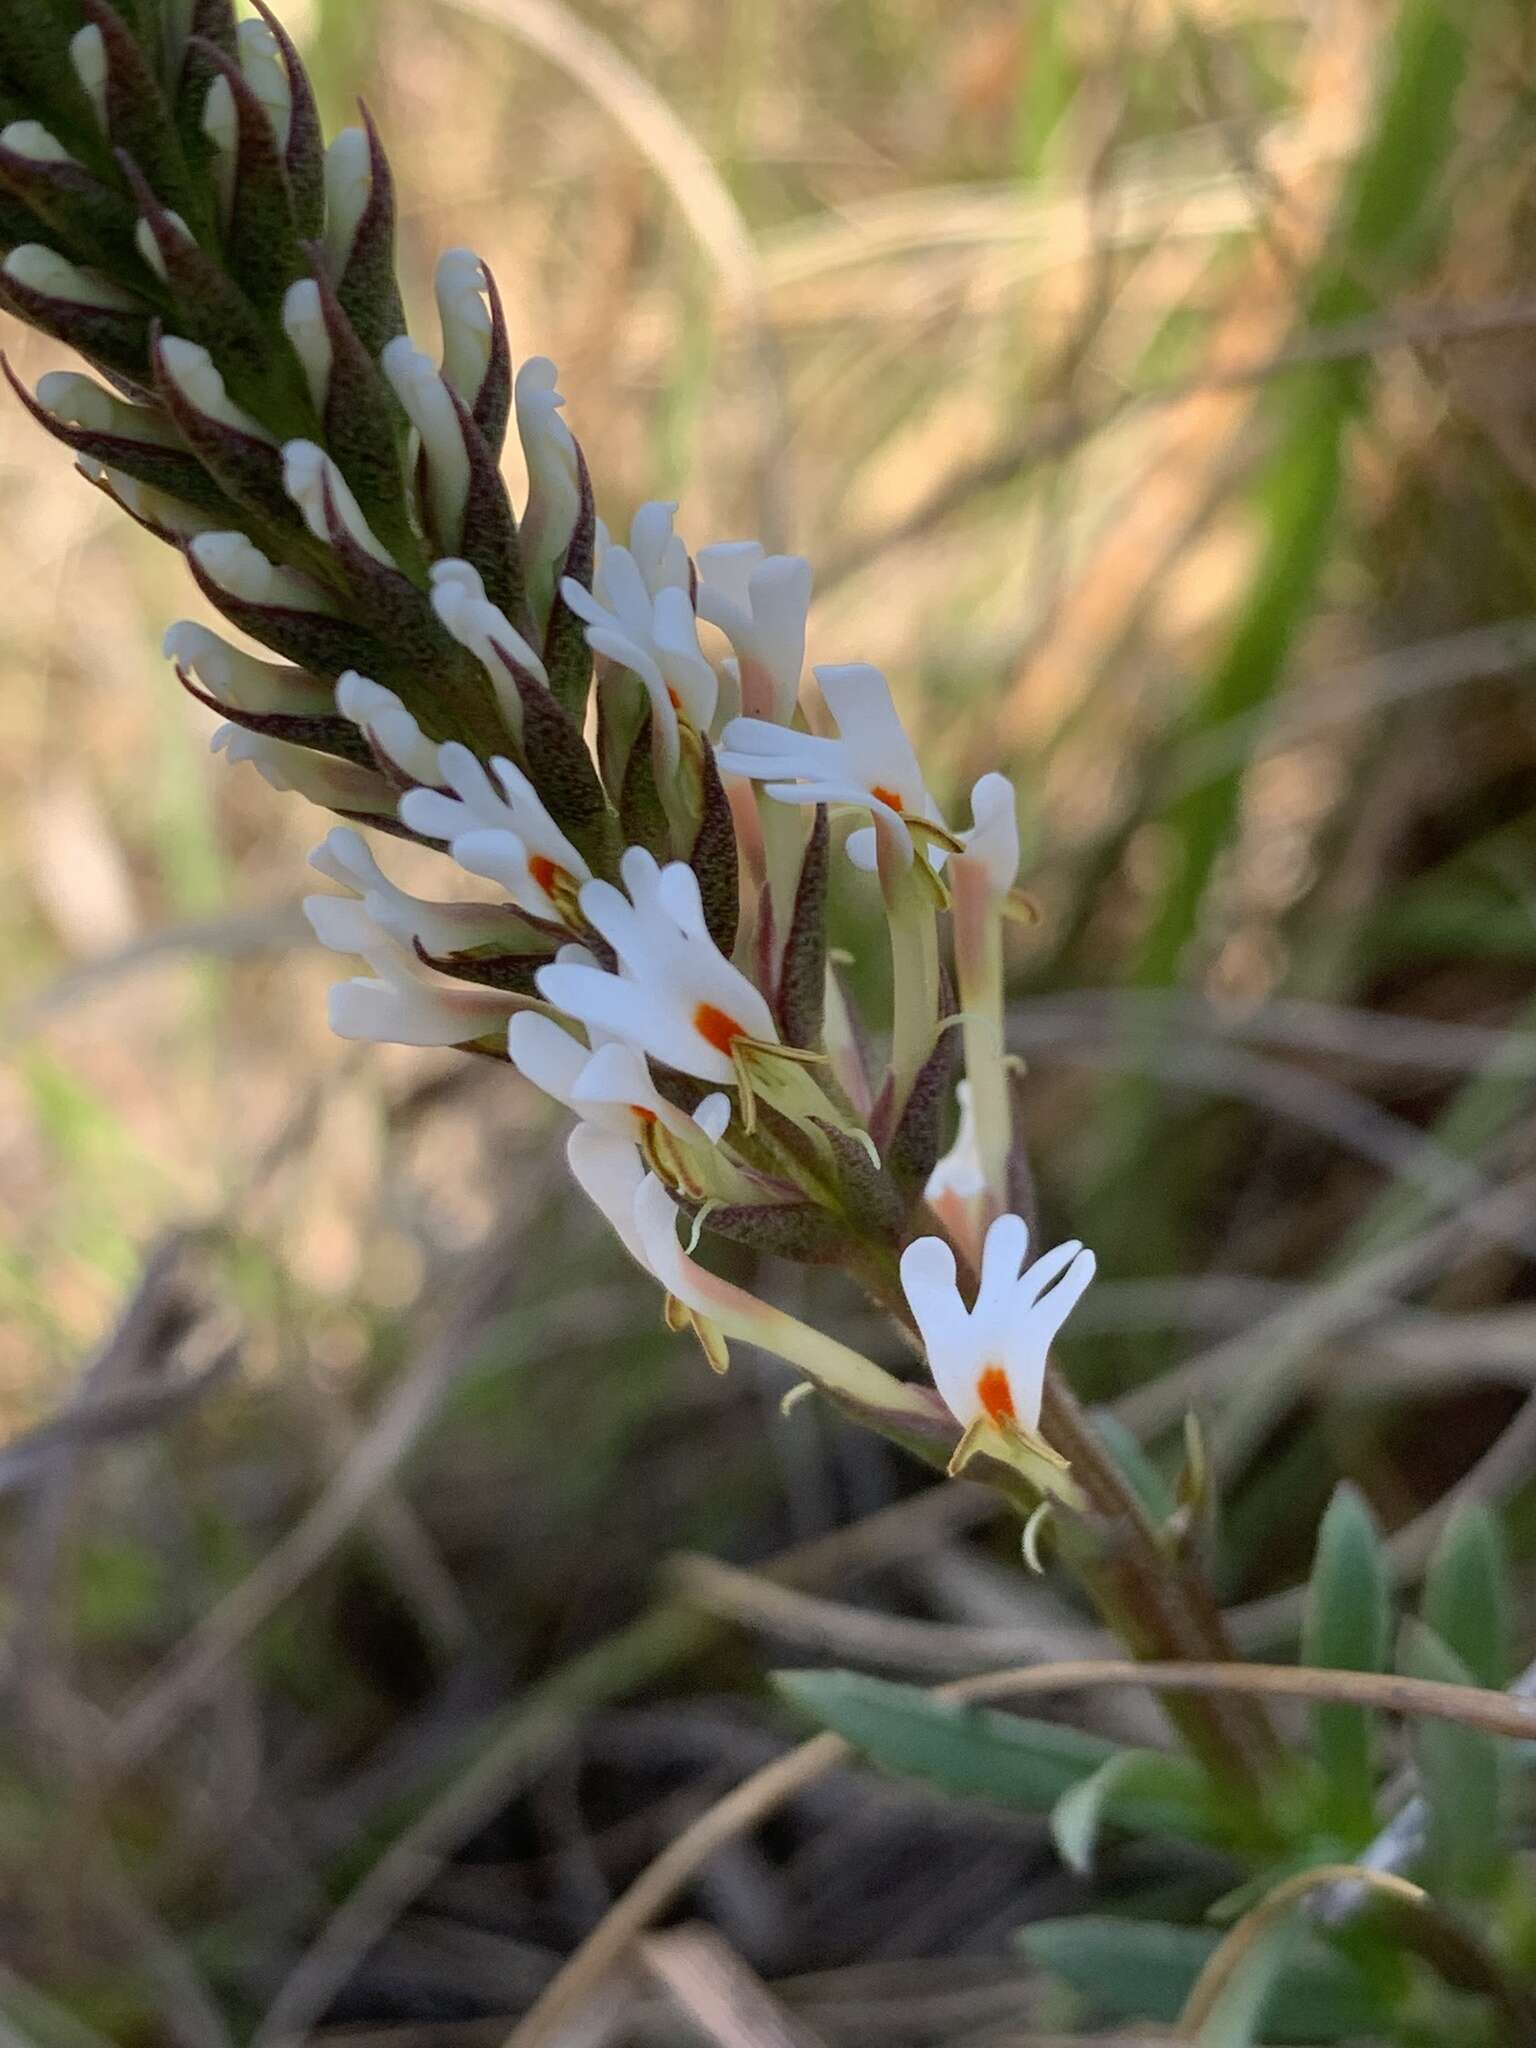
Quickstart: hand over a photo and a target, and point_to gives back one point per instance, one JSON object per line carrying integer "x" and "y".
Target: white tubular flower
{"x": 429, "y": 408}
{"x": 554, "y": 472}
{"x": 237, "y": 679}
{"x": 304, "y": 325}
{"x": 37, "y": 268}
{"x": 403, "y": 1002}
{"x": 501, "y": 830}
{"x": 611, "y": 1087}
{"x": 675, "y": 996}
{"x": 993, "y": 839}
{"x": 141, "y": 501}
{"x": 79, "y": 401}
{"x": 348, "y": 188}
{"x": 988, "y": 1361}
{"x": 266, "y": 74}
{"x": 30, "y": 139}
{"x": 610, "y": 1173}
{"x": 239, "y": 568}
{"x": 760, "y": 603}
{"x": 310, "y": 477}
{"x": 221, "y": 124}
{"x": 870, "y": 763}
{"x": 390, "y": 728}
{"x": 343, "y": 856}
{"x": 192, "y": 370}
{"x": 88, "y": 56}
{"x": 465, "y": 319}
{"x": 657, "y": 637}
{"x": 337, "y": 785}
{"x": 959, "y": 1176}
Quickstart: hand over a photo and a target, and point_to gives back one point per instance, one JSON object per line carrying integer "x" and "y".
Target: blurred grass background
{"x": 1151, "y": 387}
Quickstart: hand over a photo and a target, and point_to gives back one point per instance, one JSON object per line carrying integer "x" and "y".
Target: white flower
{"x": 403, "y": 1002}
{"x": 870, "y": 763}
{"x": 994, "y": 838}
{"x": 237, "y": 679}
{"x": 338, "y": 785}
{"x": 554, "y": 472}
{"x": 654, "y": 634}
{"x": 675, "y": 995}
{"x": 318, "y": 488}
{"x": 654, "y": 549}
{"x": 465, "y": 320}
{"x": 611, "y": 1087}
{"x": 988, "y": 1362}
{"x": 959, "y": 1174}
{"x": 610, "y": 1173}
{"x": 343, "y": 856}
{"x": 760, "y": 603}
{"x": 500, "y": 830}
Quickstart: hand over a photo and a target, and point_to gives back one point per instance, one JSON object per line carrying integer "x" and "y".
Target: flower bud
{"x": 322, "y": 494}
{"x": 428, "y": 406}
{"x": 348, "y": 187}
{"x": 42, "y": 270}
{"x": 196, "y": 377}
{"x": 466, "y": 322}
{"x": 236, "y": 566}
{"x": 304, "y": 324}
{"x": 88, "y": 56}
{"x": 30, "y": 139}
{"x": 390, "y": 729}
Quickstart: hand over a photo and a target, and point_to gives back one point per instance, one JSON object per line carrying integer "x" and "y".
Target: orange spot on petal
{"x": 644, "y": 1116}
{"x": 544, "y": 871}
{"x": 995, "y": 1394}
{"x": 885, "y": 796}
{"x": 716, "y": 1028}
{"x": 674, "y": 699}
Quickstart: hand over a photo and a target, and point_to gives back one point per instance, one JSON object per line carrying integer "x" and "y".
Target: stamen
{"x": 994, "y": 1394}
{"x": 717, "y": 1029}
{"x": 545, "y": 872}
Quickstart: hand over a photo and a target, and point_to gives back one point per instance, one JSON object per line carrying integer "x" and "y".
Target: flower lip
{"x": 988, "y": 1360}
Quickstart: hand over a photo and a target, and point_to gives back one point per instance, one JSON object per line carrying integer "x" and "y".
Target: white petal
{"x": 545, "y": 1054}
{"x": 609, "y": 1171}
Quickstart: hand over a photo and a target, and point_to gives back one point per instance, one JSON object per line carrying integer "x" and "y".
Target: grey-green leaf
{"x": 1144, "y": 1970}
{"x": 1466, "y": 1594}
{"x": 1347, "y": 1628}
{"x": 1462, "y": 1772}
{"x": 975, "y": 1752}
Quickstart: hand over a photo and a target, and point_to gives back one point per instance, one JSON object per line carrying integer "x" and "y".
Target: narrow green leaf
{"x": 975, "y": 1752}
{"x": 1152, "y": 1490}
{"x": 1347, "y": 1628}
{"x": 1145, "y": 1970}
{"x": 1466, "y": 1594}
{"x": 1130, "y": 1783}
{"x": 1462, "y": 1772}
